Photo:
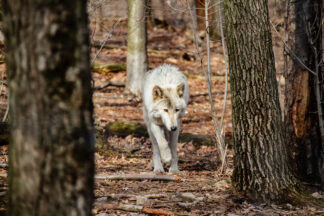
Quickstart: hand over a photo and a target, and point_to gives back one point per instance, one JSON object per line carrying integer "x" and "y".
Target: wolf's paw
{"x": 158, "y": 169}
{"x": 174, "y": 170}
{"x": 166, "y": 156}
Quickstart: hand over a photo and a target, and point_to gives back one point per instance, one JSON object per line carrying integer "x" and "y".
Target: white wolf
{"x": 165, "y": 98}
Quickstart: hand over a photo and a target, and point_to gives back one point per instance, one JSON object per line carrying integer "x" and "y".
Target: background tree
{"x": 214, "y": 8}
{"x": 51, "y": 154}
{"x": 136, "y": 46}
{"x": 260, "y": 157}
{"x": 1, "y": 13}
{"x": 301, "y": 116}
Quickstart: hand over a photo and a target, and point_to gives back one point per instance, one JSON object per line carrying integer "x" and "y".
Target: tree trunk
{"x": 200, "y": 13}
{"x": 301, "y": 117}
{"x": 1, "y": 10}
{"x": 51, "y": 154}
{"x": 215, "y": 11}
{"x": 260, "y": 157}
{"x": 136, "y": 46}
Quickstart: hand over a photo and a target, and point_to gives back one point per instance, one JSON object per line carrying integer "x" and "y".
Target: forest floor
{"x": 200, "y": 188}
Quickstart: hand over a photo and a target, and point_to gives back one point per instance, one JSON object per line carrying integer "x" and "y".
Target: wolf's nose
{"x": 174, "y": 128}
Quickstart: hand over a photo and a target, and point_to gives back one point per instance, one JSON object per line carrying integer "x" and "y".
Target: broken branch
{"x": 137, "y": 177}
{"x": 135, "y": 208}
{"x": 109, "y": 83}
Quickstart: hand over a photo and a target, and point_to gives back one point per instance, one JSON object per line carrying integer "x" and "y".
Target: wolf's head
{"x": 169, "y": 105}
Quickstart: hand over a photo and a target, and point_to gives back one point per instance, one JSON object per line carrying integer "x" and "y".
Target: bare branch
{"x": 226, "y": 66}
{"x": 220, "y": 141}
{"x": 318, "y": 88}
{"x": 152, "y": 177}
{"x": 290, "y": 51}
{"x": 108, "y": 36}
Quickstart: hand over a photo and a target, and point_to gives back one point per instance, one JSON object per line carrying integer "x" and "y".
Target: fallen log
{"x": 107, "y": 68}
{"x": 137, "y": 177}
{"x": 109, "y": 83}
{"x": 135, "y": 208}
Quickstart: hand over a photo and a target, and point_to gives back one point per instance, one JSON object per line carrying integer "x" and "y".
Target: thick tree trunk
{"x": 301, "y": 117}
{"x": 136, "y": 46}
{"x": 51, "y": 154}
{"x": 260, "y": 157}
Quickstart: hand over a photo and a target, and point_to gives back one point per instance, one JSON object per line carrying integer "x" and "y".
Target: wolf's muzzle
{"x": 174, "y": 128}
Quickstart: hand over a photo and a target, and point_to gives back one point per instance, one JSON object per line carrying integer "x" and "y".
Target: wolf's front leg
{"x": 156, "y": 152}
{"x": 156, "y": 157}
{"x": 174, "y": 145}
{"x": 163, "y": 145}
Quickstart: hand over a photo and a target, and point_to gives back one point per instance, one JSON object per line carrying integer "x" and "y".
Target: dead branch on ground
{"x": 137, "y": 177}
{"x": 135, "y": 208}
{"x": 109, "y": 83}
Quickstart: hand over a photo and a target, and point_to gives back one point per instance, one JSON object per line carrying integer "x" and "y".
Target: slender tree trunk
{"x": 51, "y": 154}
{"x": 260, "y": 157}
{"x": 136, "y": 46}
{"x": 301, "y": 117}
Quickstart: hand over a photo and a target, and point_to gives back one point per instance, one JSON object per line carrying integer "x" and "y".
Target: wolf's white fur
{"x": 162, "y": 110}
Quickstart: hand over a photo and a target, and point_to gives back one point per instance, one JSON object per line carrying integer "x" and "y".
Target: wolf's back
{"x": 164, "y": 76}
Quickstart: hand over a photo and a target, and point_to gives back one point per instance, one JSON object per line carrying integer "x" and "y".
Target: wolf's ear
{"x": 180, "y": 89}
{"x": 157, "y": 93}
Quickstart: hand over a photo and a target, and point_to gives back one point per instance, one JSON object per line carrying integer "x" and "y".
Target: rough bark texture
{"x": 51, "y": 154}
{"x": 260, "y": 157}
{"x": 300, "y": 115}
{"x": 136, "y": 46}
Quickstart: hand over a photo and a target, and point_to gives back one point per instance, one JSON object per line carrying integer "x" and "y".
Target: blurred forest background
{"x": 176, "y": 34}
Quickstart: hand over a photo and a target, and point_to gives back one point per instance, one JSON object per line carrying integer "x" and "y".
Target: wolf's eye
{"x": 177, "y": 110}
{"x": 166, "y": 110}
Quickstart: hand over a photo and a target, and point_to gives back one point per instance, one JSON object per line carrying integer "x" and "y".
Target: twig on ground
{"x": 149, "y": 196}
{"x": 6, "y": 113}
{"x": 152, "y": 177}
{"x": 109, "y": 83}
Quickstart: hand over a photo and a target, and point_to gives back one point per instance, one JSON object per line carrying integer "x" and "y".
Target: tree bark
{"x": 216, "y": 10}
{"x": 1, "y": 10}
{"x": 200, "y": 13}
{"x": 301, "y": 119}
{"x": 51, "y": 154}
{"x": 261, "y": 168}
{"x": 136, "y": 46}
